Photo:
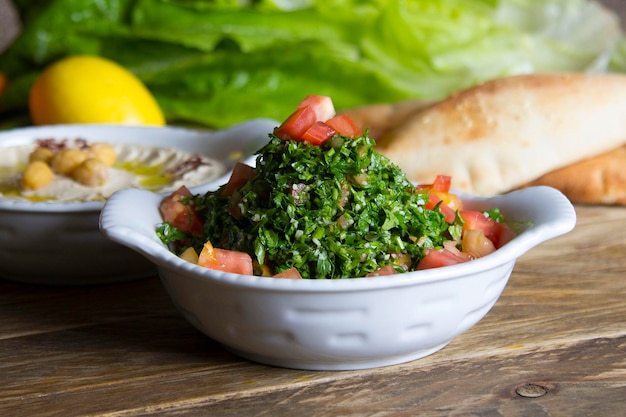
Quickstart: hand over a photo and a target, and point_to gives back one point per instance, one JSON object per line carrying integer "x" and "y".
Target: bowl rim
{"x": 557, "y": 218}
{"x": 18, "y": 136}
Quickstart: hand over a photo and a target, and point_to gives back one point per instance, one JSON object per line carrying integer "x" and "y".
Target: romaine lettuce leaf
{"x": 219, "y": 62}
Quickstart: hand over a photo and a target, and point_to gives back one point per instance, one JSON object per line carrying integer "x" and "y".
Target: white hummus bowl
{"x": 338, "y": 324}
{"x": 59, "y": 243}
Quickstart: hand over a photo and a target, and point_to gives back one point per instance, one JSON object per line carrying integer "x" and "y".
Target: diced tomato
{"x": 505, "y": 235}
{"x": 382, "y": 272}
{"x": 438, "y": 191}
{"x": 450, "y": 203}
{"x": 322, "y": 105}
{"x": 178, "y": 210}
{"x": 476, "y": 220}
{"x": 189, "y": 255}
{"x": 3, "y": 83}
{"x": 446, "y": 210}
{"x": 306, "y": 122}
{"x": 449, "y": 214}
{"x": 225, "y": 260}
{"x": 207, "y": 254}
{"x": 453, "y": 201}
{"x": 441, "y": 183}
{"x": 345, "y": 126}
{"x": 319, "y": 133}
{"x": 241, "y": 173}
{"x": 442, "y": 257}
{"x": 475, "y": 243}
{"x": 296, "y": 124}
{"x": 498, "y": 233}
{"x": 291, "y": 273}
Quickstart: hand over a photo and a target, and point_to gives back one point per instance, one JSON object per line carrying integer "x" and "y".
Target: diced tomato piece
{"x": 207, "y": 254}
{"x": 189, "y": 255}
{"x": 438, "y": 191}
{"x": 225, "y": 260}
{"x": 296, "y": 124}
{"x": 319, "y": 133}
{"x": 442, "y": 257}
{"x": 234, "y": 261}
{"x": 383, "y": 272}
{"x": 442, "y": 183}
{"x": 322, "y": 105}
{"x": 450, "y": 203}
{"x": 3, "y": 83}
{"x": 475, "y": 243}
{"x": 178, "y": 210}
{"x": 476, "y": 220}
{"x": 447, "y": 211}
{"x": 449, "y": 214}
{"x": 240, "y": 175}
{"x": 453, "y": 201}
{"x": 345, "y": 126}
{"x": 505, "y": 235}
{"x": 498, "y": 233}
{"x": 291, "y": 273}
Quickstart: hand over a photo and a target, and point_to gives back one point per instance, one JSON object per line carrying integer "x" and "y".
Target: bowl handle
{"x": 551, "y": 212}
{"x": 123, "y": 220}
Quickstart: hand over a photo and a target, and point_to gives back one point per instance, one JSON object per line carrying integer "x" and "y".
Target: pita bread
{"x": 505, "y": 133}
{"x": 597, "y": 180}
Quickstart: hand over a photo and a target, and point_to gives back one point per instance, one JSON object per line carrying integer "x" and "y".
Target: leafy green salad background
{"x": 216, "y": 63}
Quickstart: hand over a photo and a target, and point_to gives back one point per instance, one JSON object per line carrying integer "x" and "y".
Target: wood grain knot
{"x": 530, "y": 390}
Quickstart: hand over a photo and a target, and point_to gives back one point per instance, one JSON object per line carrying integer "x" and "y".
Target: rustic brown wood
{"x": 553, "y": 345}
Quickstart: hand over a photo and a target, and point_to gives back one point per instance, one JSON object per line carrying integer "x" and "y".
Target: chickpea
{"x": 91, "y": 172}
{"x": 41, "y": 154}
{"x": 36, "y": 175}
{"x": 103, "y": 152}
{"x": 66, "y": 160}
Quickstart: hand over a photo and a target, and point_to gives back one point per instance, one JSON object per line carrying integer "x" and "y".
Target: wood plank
{"x": 573, "y": 387}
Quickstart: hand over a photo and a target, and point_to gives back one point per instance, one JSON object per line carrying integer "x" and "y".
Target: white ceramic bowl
{"x": 338, "y": 324}
{"x": 60, "y": 243}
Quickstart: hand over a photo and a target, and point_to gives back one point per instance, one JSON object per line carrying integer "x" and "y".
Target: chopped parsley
{"x": 337, "y": 210}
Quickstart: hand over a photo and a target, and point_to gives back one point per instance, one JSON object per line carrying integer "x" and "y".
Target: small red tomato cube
{"x": 443, "y": 257}
{"x": 291, "y": 273}
{"x": 319, "y": 133}
{"x": 345, "y": 126}
{"x": 179, "y": 210}
{"x": 296, "y": 124}
{"x": 322, "y": 105}
{"x": 241, "y": 173}
{"x": 225, "y": 260}
{"x": 498, "y": 233}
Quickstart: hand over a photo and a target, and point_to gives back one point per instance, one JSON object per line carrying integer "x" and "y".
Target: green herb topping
{"x": 337, "y": 210}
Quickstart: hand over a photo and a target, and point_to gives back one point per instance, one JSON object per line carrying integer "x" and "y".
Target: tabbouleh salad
{"x": 322, "y": 203}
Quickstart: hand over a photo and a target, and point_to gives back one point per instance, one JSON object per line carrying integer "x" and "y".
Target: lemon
{"x": 90, "y": 89}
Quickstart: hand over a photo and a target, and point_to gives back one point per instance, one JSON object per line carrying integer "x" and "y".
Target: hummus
{"x": 158, "y": 169}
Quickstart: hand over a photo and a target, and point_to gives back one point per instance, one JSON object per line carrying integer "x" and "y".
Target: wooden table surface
{"x": 553, "y": 345}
